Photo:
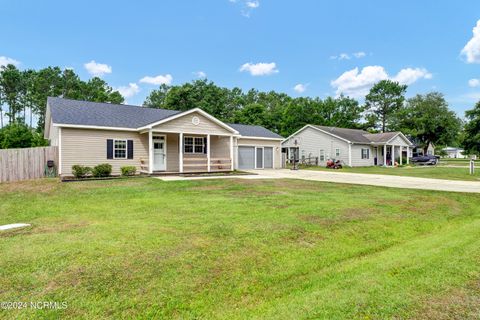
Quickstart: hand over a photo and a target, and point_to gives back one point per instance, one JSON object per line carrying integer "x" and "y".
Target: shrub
{"x": 128, "y": 170}
{"x": 79, "y": 171}
{"x": 102, "y": 170}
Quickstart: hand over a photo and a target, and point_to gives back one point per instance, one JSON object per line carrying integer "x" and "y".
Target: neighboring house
{"x": 418, "y": 149}
{"x": 354, "y": 147}
{"x": 154, "y": 140}
{"x": 452, "y": 152}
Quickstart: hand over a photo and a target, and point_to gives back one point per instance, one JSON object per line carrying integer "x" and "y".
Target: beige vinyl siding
{"x": 357, "y": 160}
{"x": 172, "y": 152}
{"x": 184, "y": 124}
{"x": 312, "y": 141}
{"x": 220, "y": 147}
{"x": 88, "y": 147}
{"x": 53, "y": 135}
{"x": 276, "y": 144}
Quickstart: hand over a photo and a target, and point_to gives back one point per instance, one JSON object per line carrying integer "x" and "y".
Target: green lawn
{"x": 239, "y": 249}
{"x": 438, "y": 172}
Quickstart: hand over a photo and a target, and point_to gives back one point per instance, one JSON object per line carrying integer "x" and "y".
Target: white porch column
{"x": 401, "y": 155}
{"x": 208, "y": 152}
{"x": 180, "y": 152}
{"x": 408, "y": 155}
{"x": 384, "y": 155}
{"x": 231, "y": 153}
{"x": 150, "y": 151}
{"x": 393, "y": 156}
{"x": 349, "y": 154}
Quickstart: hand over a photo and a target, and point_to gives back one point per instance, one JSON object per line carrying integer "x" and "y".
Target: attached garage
{"x": 255, "y": 157}
{"x": 257, "y": 148}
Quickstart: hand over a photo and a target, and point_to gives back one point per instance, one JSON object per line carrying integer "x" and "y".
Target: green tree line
{"x": 23, "y": 100}
{"x": 426, "y": 118}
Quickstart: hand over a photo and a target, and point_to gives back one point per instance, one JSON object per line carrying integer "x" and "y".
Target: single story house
{"x": 353, "y": 147}
{"x": 154, "y": 140}
{"x": 452, "y": 152}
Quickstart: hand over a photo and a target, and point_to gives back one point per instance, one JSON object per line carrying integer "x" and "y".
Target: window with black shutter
{"x": 109, "y": 148}
{"x": 129, "y": 149}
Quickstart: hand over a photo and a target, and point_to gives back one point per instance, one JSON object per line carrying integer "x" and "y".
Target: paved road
{"x": 354, "y": 178}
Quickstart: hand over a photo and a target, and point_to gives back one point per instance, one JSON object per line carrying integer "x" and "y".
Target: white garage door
{"x": 246, "y": 157}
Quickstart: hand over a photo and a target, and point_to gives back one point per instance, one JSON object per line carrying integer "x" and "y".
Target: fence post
{"x": 472, "y": 166}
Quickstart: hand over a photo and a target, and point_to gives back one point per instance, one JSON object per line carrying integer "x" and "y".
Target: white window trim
{"x": 337, "y": 152}
{"x": 367, "y": 154}
{"x": 322, "y": 153}
{"x": 126, "y": 149}
{"x": 193, "y": 145}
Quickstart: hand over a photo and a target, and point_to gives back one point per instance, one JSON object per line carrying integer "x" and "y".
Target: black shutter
{"x": 109, "y": 149}
{"x": 129, "y": 149}
{"x": 205, "y": 144}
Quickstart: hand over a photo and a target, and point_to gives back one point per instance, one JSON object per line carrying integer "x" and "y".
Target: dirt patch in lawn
{"x": 346, "y": 215}
{"x": 60, "y": 227}
{"x": 54, "y": 227}
{"x": 425, "y": 205}
{"x": 463, "y": 303}
{"x": 30, "y": 186}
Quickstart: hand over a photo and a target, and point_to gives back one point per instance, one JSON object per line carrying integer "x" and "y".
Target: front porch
{"x": 386, "y": 155}
{"x": 179, "y": 152}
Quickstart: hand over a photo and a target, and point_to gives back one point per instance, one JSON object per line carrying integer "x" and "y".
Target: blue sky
{"x": 311, "y": 48}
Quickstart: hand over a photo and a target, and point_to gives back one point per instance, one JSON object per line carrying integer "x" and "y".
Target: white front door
{"x": 159, "y": 154}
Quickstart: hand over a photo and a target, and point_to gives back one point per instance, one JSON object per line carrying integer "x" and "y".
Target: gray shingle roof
{"x": 359, "y": 136}
{"x": 353, "y": 135}
{"x": 381, "y": 137}
{"x": 254, "y": 131}
{"x": 76, "y": 112}
{"x": 66, "y": 111}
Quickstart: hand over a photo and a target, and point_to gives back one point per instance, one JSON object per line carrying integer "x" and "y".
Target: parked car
{"x": 427, "y": 159}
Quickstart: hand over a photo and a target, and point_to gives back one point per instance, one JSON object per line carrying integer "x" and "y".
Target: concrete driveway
{"x": 351, "y": 178}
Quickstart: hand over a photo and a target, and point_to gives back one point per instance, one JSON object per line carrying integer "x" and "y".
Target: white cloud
{"x": 6, "y": 61}
{"x": 158, "y": 80}
{"x": 247, "y": 6}
{"x": 356, "y": 83}
{"x": 359, "y": 54}
{"x": 472, "y": 49}
{"x": 347, "y": 56}
{"x": 408, "y": 76}
{"x": 252, "y": 4}
{"x": 200, "y": 74}
{"x": 300, "y": 88}
{"x": 128, "y": 91}
{"x": 260, "y": 69}
{"x": 474, "y": 83}
{"x": 97, "y": 69}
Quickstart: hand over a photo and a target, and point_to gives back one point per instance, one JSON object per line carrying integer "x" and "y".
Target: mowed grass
{"x": 239, "y": 249}
{"x": 434, "y": 172}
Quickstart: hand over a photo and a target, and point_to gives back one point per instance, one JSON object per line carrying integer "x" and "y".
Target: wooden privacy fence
{"x": 27, "y": 163}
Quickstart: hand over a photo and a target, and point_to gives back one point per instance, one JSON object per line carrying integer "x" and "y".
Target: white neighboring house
{"x": 454, "y": 153}
{"x": 355, "y": 148}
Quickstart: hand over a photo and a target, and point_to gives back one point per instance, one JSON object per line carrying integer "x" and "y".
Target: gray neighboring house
{"x": 356, "y": 148}
{"x": 154, "y": 140}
